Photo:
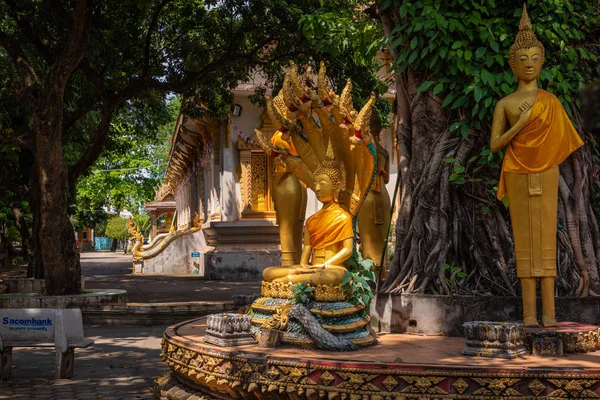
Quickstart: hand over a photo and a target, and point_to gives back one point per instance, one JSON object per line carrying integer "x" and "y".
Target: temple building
{"x": 218, "y": 172}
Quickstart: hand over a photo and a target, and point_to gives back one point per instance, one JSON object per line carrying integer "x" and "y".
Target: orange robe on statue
{"x": 328, "y": 226}
{"x": 546, "y": 141}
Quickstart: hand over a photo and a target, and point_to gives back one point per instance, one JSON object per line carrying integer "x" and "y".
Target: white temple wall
{"x": 230, "y": 203}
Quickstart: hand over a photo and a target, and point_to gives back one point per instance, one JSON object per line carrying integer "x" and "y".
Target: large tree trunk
{"x": 53, "y": 232}
{"x": 440, "y": 222}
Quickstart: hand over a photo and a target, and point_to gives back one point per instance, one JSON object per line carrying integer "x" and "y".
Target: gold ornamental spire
{"x": 525, "y": 24}
{"x": 525, "y": 39}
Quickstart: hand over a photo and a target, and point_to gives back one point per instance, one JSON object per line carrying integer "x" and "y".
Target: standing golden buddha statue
{"x": 374, "y": 215}
{"x": 289, "y": 193}
{"x": 540, "y": 138}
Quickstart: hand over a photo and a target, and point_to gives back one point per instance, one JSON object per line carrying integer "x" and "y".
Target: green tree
{"x": 450, "y": 63}
{"x": 130, "y": 167}
{"x": 74, "y": 66}
{"x": 116, "y": 229}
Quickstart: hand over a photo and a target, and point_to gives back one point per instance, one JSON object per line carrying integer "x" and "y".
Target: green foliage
{"x": 130, "y": 168}
{"x": 462, "y": 49}
{"x": 302, "y": 293}
{"x": 342, "y": 31}
{"x": 455, "y": 273}
{"x": 116, "y": 228}
{"x": 359, "y": 279}
{"x": 144, "y": 223}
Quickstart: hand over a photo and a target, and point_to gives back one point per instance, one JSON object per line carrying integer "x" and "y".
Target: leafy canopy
{"x": 461, "y": 48}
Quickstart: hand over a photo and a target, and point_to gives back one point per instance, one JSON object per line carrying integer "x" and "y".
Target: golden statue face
{"x": 528, "y": 64}
{"x": 324, "y": 188}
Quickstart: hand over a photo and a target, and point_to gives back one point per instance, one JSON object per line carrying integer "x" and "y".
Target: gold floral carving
{"x": 259, "y": 195}
{"x": 423, "y": 384}
{"x": 324, "y": 293}
{"x": 327, "y": 378}
{"x": 280, "y": 318}
{"x": 537, "y": 387}
{"x": 495, "y": 386}
{"x": 460, "y": 385}
{"x": 575, "y": 387}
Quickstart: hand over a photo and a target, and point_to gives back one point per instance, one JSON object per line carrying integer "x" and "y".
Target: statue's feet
{"x": 531, "y": 322}
{"x": 549, "y": 322}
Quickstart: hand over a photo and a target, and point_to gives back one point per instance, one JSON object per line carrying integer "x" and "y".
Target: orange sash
{"x": 328, "y": 226}
{"x": 546, "y": 141}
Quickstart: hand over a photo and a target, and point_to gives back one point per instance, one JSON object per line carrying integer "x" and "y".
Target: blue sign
{"x": 196, "y": 254}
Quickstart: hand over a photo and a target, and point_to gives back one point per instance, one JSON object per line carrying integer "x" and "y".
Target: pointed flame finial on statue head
{"x": 331, "y": 167}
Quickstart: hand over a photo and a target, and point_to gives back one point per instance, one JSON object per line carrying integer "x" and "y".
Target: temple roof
{"x": 160, "y": 205}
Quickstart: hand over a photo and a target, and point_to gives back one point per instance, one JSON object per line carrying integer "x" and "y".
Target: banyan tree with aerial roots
{"x": 450, "y": 65}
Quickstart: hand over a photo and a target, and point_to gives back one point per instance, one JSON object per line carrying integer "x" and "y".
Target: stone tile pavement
{"x": 122, "y": 364}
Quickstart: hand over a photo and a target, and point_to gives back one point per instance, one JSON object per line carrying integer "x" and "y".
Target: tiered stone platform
{"x": 401, "y": 366}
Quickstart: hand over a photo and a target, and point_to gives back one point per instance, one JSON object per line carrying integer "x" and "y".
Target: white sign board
{"x": 27, "y": 324}
{"x": 40, "y": 324}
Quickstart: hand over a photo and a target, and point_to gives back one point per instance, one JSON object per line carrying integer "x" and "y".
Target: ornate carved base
{"x": 228, "y": 329}
{"x": 576, "y": 337}
{"x": 547, "y": 344}
{"x": 494, "y": 339}
{"x": 210, "y": 372}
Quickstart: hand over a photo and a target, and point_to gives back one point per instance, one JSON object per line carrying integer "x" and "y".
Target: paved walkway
{"x": 124, "y": 361}
{"x": 106, "y": 270}
{"x": 122, "y": 364}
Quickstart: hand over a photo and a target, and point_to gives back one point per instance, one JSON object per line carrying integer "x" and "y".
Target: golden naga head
{"x": 134, "y": 230}
{"x": 326, "y": 96}
{"x": 279, "y": 114}
{"x": 346, "y": 107}
{"x": 362, "y": 123}
{"x": 526, "y": 39}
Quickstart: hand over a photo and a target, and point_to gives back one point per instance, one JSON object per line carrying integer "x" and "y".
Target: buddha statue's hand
{"x": 525, "y": 109}
{"x": 308, "y": 269}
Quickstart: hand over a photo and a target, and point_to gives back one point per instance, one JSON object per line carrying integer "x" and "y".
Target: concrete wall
{"x": 445, "y": 315}
{"x": 177, "y": 257}
{"x": 240, "y": 263}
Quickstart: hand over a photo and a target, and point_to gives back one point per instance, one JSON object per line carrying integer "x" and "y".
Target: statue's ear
{"x": 336, "y": 192}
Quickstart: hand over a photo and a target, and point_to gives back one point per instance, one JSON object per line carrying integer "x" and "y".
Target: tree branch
{"x": 27, "y": 30}
{"x": 26, "y": 71}
{"x": 151, "y": 29}
{"x": 96, "y": 146}
{"x": 75, "y": 47}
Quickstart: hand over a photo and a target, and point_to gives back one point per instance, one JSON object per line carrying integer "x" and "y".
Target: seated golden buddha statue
{"x": 540, "y": 137}
{"x": 336, "y": 161}
{"x": 328, "y": 236}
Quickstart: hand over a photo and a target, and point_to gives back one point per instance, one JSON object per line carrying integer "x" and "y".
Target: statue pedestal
{"x": 228, "y": 330}
{"x": 546, "y": 343}
{"x": 431, "y": 367}
{"x": 328, "y": 321}
{"x": 576, "y": 337}
{"x": 494, "y": 339}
